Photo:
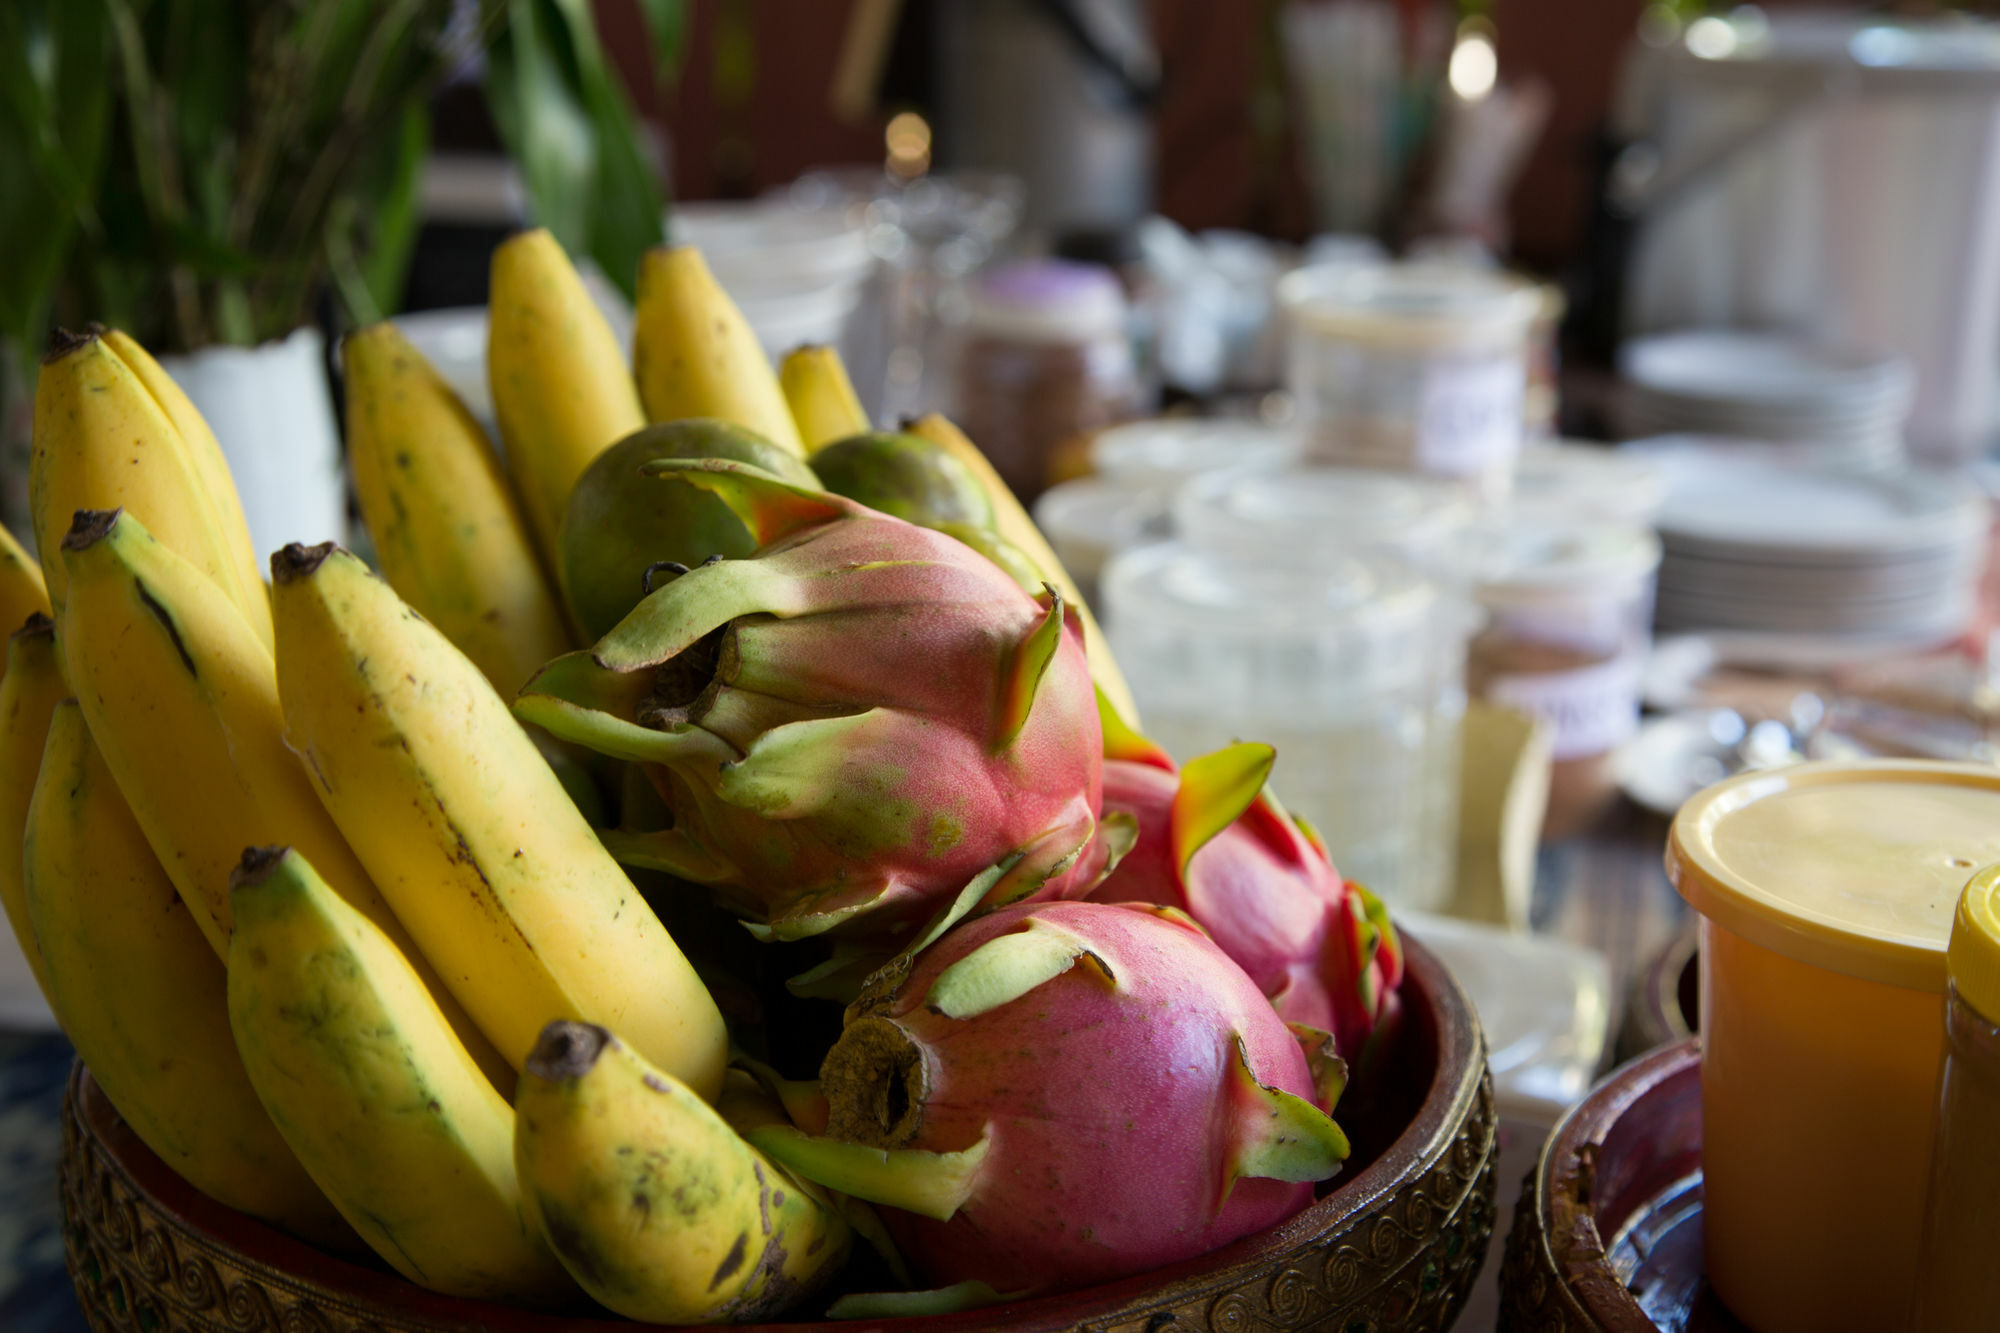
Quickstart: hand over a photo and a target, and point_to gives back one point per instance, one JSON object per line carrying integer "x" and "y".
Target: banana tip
{"x": 63, "y": 341}
{"x": 37, "y": 625}
{"x": 89, "y": 527}
{"x": 258, "y": 864}
{"x": 298, "y": 561}
{"x": 567, "y": 1050}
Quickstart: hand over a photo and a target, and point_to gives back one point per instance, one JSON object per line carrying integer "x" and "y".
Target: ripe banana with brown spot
{"x": 104, "y": 441}
{"x": 694, "y": 355}
{"x": 142, "y": 996}
{"x": 655, "y": 1205}
{"x": 562, "y": 391}
{"x": 821, "y": 396}
{"x": 183, "y": 700}
{"x": 441, "y": 793}
{"x": 447, "y": 532}
{"x": 29, "y": 693}
{"x": 23, "y": 589}
{"x": 379, "y": 1099}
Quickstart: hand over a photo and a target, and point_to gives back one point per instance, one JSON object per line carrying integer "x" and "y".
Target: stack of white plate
{"x": 1846, "y": 404}
{"x": 1758, "y": 546}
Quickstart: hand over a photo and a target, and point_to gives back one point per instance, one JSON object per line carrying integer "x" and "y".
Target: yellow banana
{"x": 364, "y": 1078}
{"x": 469, "y": 834}
{"x": 447, "y": 533}
{"x": 102, "y": 441}
{"x": 183, "y": 701}
{"x": 658, "y": 1208}
{"x": 1011, "y": 521}
{"x": 209, "y": 461}
{"x": 23, "y": 590}
{"x": 822, "y": 398}
{"x": 694, "y": 354}
{"x": 29, "y": 692}
{"x": 141, "y": 996}
{"x": 562, "y": 392}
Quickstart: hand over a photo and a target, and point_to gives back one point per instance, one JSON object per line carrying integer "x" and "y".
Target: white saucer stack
{"x": 1769, "y": 548}
{"x": 1844, "y": 405}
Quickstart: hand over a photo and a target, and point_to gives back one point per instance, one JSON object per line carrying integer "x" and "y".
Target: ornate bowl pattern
{"x": 1395, "y": 1247}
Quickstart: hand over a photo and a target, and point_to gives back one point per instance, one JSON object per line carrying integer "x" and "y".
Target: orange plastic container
{"x": 1826, "y": 893}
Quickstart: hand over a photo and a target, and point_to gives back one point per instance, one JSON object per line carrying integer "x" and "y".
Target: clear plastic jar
{"x": 1045, "y": 359}
{"x": 1569, "y": 624}
{"x": 1351, "y": 666}
{"x": 1416, "y": 367}
{"x": 1310, "y": 513}
{"x": 1958, "y": 1281}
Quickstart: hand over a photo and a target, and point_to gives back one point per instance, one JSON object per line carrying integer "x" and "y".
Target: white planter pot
{"x": 271, "y": 411}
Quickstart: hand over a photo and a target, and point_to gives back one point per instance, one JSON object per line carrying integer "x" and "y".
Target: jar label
{"x": 1589, "y": 710}
{"x": 1469, "y": 414}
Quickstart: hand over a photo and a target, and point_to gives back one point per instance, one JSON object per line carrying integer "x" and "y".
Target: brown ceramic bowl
{"x": 1607, "y": 1234}
{"x": 1395, "y": 1246}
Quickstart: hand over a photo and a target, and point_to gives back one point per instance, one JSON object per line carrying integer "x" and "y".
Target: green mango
{"x": 904, "y": 475}
{"x": 620, "y": 523}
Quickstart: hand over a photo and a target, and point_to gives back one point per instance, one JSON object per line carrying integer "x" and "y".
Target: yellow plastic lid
{"x": 1853, "y": 867}
{"x": 1975, "y": 944}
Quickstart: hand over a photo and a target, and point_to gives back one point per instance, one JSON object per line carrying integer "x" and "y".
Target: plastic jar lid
{"x": 1318, "y": 510}
{"x": 1529, "y": 562}
{"x": 1571, "y": 481}
{"x": 1166, "y": 451}
{"x": 1047, "y": 301}
{"x": 1088, "y": 519}
{"x": 1169, "y": 585}
{"x": 1414, "y": 306}
{"x": 1974, "y": 954}
{"x": 1852, "y": 867}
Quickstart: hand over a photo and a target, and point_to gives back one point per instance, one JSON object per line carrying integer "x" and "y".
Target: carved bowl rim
{"x": 1433, "y": 1004}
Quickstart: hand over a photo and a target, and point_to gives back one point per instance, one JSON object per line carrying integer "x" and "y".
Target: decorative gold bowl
{"x": 1396, "y": 1246}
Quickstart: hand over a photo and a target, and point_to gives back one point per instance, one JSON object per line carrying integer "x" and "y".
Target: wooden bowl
{"x": 1395, "y": 1246}
{"x": 1607, "y": 1233}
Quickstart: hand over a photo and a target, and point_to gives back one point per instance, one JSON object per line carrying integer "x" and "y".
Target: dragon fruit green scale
{"x": 850, "y": 725}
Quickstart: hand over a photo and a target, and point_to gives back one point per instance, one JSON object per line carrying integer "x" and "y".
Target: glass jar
{"x": 1958, "y": 1283}
{"x": 1414, "y": 367}
{"x": 1045, "y": 359}
{"x": 1569, "y": 624}
{"x": 1351, "y": 666}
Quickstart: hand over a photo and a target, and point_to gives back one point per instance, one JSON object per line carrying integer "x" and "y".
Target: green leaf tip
{"x": 1025, "y": 669}
{"x": 1329, "y": 1071}
{"x": 769, "y": 507}
{"x": 1281, "y": 1136}
{"x": 931, "y": 1184}
{"x": 1215, "y": 790}
{"x": 1008, "y": 966}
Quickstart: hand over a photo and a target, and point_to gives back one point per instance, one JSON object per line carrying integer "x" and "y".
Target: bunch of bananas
{"x": 332, "y": 929}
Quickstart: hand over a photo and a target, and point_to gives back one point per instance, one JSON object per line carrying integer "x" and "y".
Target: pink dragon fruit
{"x": 1062, "y": 1093}
{"x": 850, "y": 726}
{"x": 1213, "y": 842}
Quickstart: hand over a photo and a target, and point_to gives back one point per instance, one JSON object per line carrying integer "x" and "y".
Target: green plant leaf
{"x": 395, "y": 221}
{"x": 52, "y": 55}
{"x": 541, "y": 118}
{"x": 627, "y": 214}
{"x": 666, "y": 23}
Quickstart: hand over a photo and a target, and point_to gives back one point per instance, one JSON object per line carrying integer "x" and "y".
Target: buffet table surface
{"x": 1605, "y": 890}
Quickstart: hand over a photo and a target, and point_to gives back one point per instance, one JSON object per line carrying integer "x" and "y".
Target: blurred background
{"x": 1524, "y": 412}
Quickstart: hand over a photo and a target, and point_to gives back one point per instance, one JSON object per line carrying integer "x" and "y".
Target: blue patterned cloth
{"x": 35, "y": 1292}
